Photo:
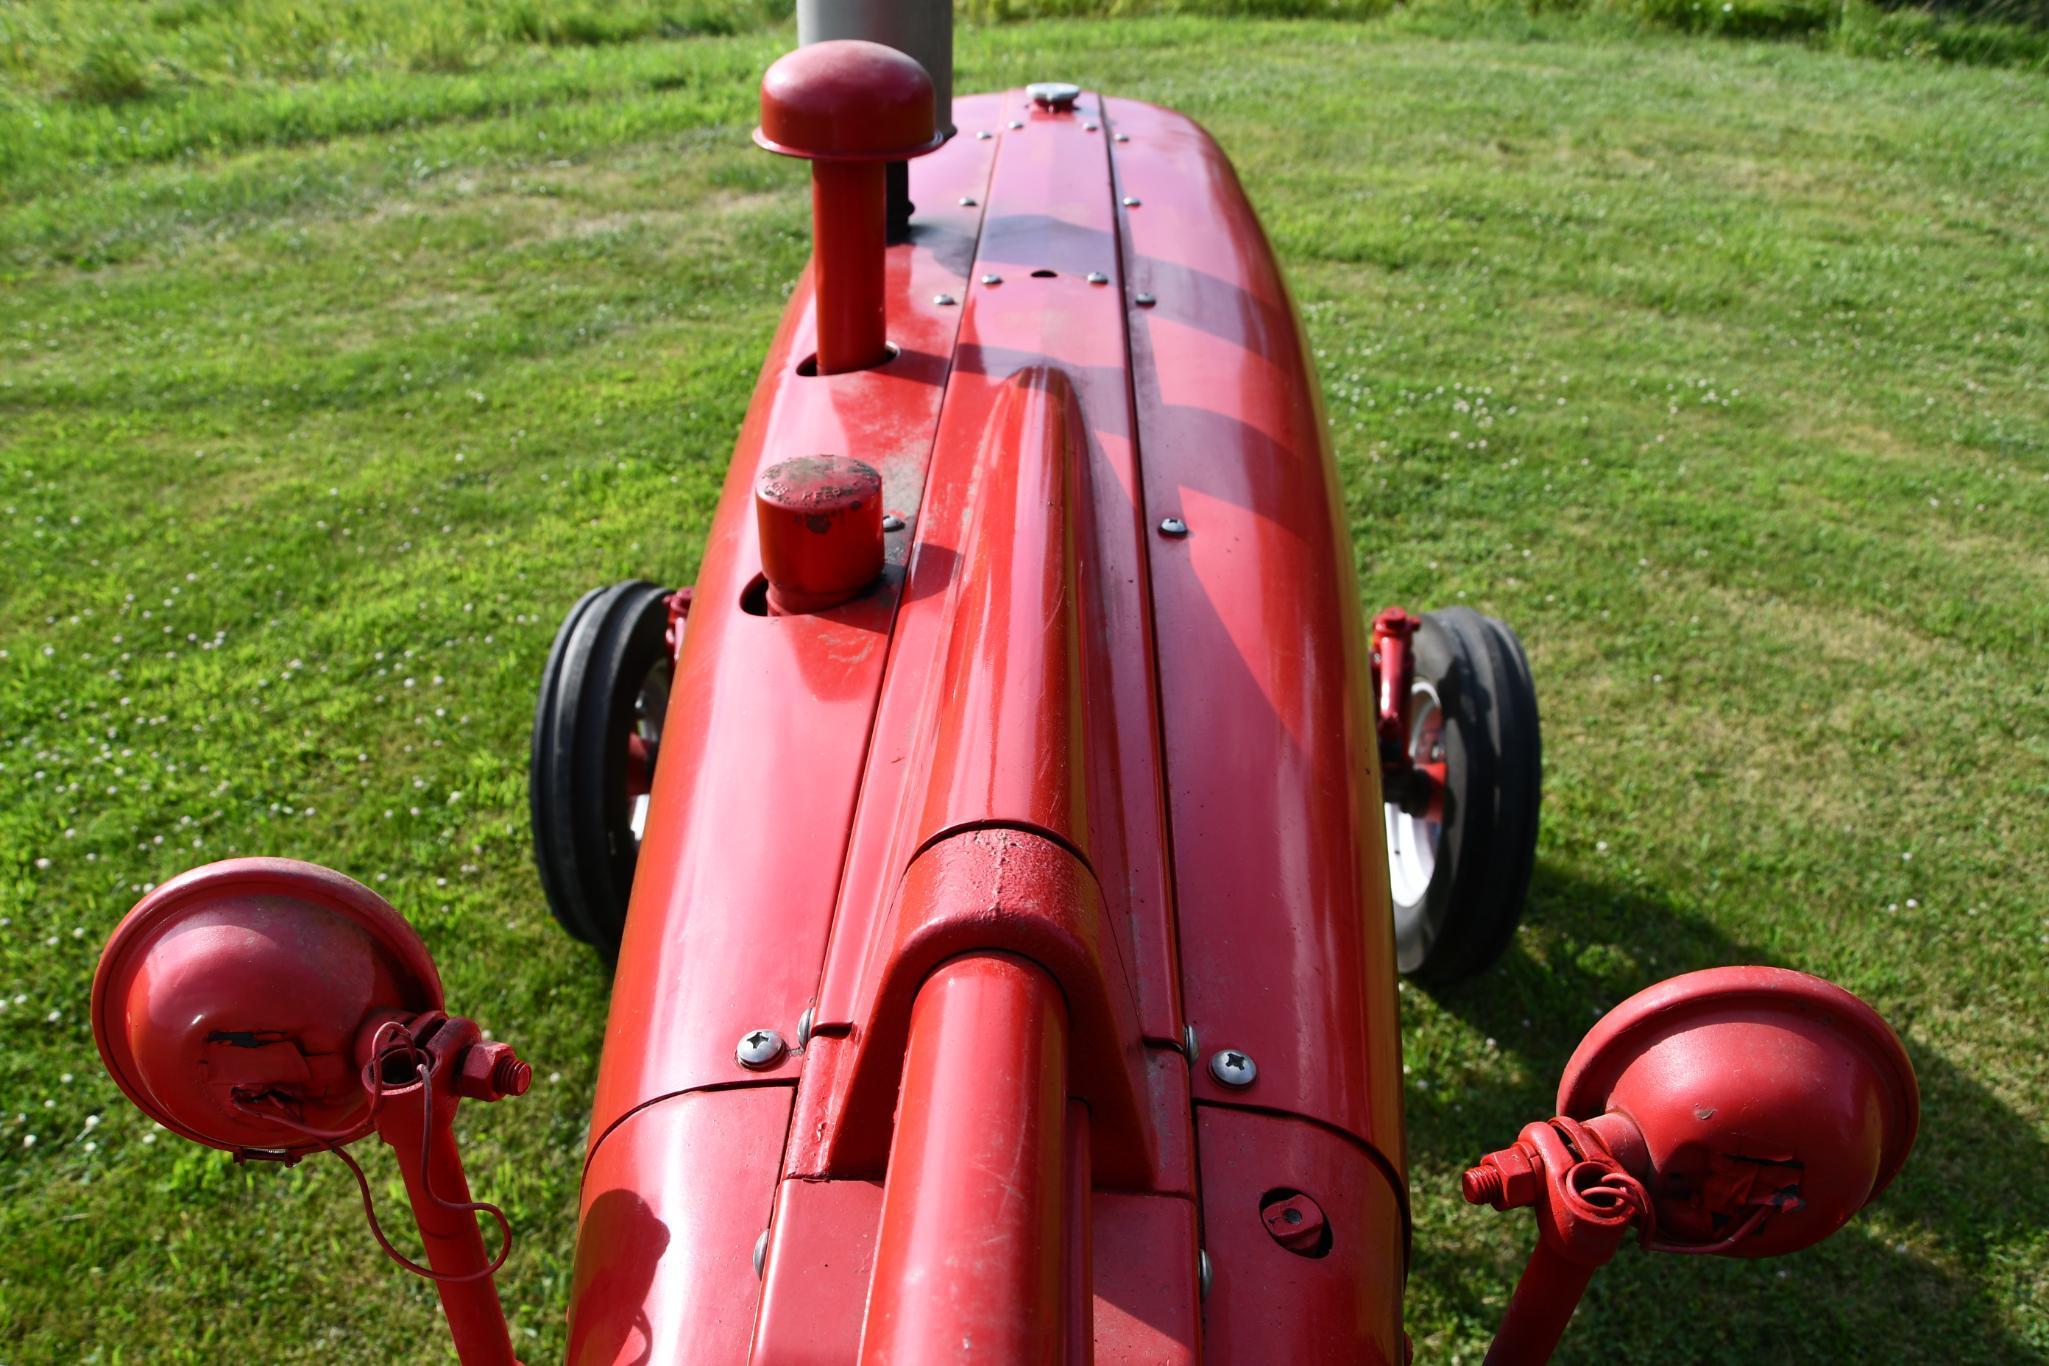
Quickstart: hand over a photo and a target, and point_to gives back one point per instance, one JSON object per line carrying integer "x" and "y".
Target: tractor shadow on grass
{"x": 1913, "y": 1278}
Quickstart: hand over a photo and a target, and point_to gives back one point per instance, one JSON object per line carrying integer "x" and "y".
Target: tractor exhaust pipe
{"x": 922, "y": 29}
{"x": 918, "y": 28}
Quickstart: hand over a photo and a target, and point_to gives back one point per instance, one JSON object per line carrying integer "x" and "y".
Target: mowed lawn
{"x": 1720, "y": 371}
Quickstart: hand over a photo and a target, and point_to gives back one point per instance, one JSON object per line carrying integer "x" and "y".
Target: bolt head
{"x": 944, "y": 300}
{"x": 983, "y": 135}
{"x": 759, "y": 1048}
{"x": 890, "y": 522}
{"x": 1173, "y": 526}
{"x": 1188, "y": 1048}
{"x": 968, "y": 201}
{"x": 992, "y": 278}
{"x": 1096, "y": 277}
{"x": 1131, "y": 201}
{"x": 1144, "y": 300}
{"x": 1233, "y": 1068}
{"x": 1121, "y": 137}
{"x": 1015, "y": 123}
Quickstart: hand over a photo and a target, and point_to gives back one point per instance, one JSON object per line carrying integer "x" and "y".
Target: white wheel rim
{"x": 1412, "y": 840}
{"x": 650, "y": 708}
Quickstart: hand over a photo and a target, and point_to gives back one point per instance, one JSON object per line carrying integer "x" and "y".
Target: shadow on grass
{"x": 1913, "y": 1279}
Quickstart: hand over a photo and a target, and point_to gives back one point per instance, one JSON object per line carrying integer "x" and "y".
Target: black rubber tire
{"x": 609, "y": 645}
{"x": 1493, "y": 757}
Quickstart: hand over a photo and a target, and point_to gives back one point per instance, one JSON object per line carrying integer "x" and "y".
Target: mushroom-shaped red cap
{"x": 847, "y": 100}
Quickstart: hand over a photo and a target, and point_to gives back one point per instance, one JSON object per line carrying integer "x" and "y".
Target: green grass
{"x": 1716, "y": 368}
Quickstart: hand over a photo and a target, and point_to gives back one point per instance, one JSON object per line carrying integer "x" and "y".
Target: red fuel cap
{"x": 820, "y": 519}
{"x": 254, "y": 976}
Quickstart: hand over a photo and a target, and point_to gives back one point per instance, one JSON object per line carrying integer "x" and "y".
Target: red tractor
{"x": 1006, "y": 853}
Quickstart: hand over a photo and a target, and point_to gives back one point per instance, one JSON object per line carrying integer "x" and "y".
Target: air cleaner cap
{"x": 253, "y": 974}
{"x": 847, "y": 100}
{"x": 820, "y": 521}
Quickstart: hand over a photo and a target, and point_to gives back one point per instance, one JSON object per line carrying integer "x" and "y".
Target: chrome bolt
{"x": 1144, "y": 300}
{"x": 1173, "y": 526}
{"x": 1130, "y": 201}
{"x": 758, "y": 1049}
{"x": 1088, "y": 128}
{"x": 1202, "y": 1273}
{"x": 1188, "y": 1043}
{"x": 1233, "y": 1068}
{"x": 968, "y": 201}
{"x": 944, "y": 300}
{"x": 804, "y": 1020}
{"x": 1121, "y": 137}
{"x": 1096, "y": 277}
{"x": 1016, "y": 123}
{"x": 992, "y": 278}
{"x": 890, "y": 522}
{"x": 983, "y": 135}
{"x": 760, "y": 1253}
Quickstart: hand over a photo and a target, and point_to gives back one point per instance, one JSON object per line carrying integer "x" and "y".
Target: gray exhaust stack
{"x": 922, "y": 28}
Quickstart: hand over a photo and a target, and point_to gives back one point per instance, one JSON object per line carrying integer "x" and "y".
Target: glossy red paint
{"x": 985, "y": 889}
{"x": 417, "y": 1122}
{"x": 1268, "y": 1303}
{"x": 673, "y": 1202}
{"x": 768, "y": 722}
{"x": 1049, "y": 225}
{"x": 1268, "y": 724}
{"x": 1010, "y": 799}
{"x": 848, "y": 107}
{"x": 1009, "y": 732}
{"x": 820, "y": 522}
{"x": 973, "y": 1247}
{"x": 847, "y": 100}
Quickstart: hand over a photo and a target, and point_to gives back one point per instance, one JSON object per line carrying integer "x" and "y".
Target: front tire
{"x": 1459, "y": 876}
{"x": 597, "y": 732}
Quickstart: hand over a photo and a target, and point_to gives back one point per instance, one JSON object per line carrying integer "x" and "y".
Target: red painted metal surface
{"x": 673, "y": 1202}
{"x": 1267, "y": 1302}
{"x": 971, "y": 1259}
{"x": 1049, "y": 225}
{"x": 820, "y": 522}
{"x": 1011, "y": 796}
{"x": 768, "y": 722}
{"x": 1268, "y": 724}
{"x": 1007, "y": 743}
{"x": 848, "y": 107}
{"x": 985, "y": 889}
{"x": 417, "y": 1121}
